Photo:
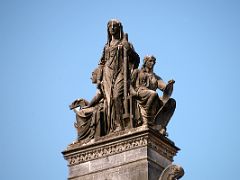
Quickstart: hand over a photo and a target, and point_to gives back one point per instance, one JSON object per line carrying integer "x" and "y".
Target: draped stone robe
{"x": 113, "y": 81}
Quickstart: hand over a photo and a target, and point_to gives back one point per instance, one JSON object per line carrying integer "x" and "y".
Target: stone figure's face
{"x": 114, "y": 28}
{"x": 150, "y": 63}
{"x": 94, "y": 77}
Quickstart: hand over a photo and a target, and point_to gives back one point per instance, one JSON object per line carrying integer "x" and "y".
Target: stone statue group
{"x": 126, "y": 95}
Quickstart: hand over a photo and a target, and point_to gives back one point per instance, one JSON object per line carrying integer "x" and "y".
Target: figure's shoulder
{"x": 157, "y": 76}
{"x": 130, "y": 44}
{"x": 122, "y": 42}
{"x": 132, "y": 47}
{"x": 106, "y": 45}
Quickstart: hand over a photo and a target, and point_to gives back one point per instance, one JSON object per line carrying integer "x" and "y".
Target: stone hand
{"x": 85, "y": 107}
{"x": 171, "y": 81}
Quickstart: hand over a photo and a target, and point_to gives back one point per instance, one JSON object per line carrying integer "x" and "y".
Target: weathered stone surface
{"x": 122, "y": 131}
{"x": 139, "y": 153}
{"x": 172, "y": 172}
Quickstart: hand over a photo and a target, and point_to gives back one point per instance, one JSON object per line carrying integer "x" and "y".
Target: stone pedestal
{"x": 135, "y": 154}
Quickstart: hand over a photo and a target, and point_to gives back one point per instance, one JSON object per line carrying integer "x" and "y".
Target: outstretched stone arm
{"x": 161, "y": 85}
{"x": 82, "y": 103}
{"x": 95, "y": 99}
{"x": 78, "y": 103}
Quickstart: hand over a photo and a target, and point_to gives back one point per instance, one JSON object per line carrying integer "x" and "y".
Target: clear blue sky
{"x": 48, "y": 49}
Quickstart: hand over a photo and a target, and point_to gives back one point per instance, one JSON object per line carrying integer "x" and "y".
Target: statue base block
{"x": 135, "y": 154}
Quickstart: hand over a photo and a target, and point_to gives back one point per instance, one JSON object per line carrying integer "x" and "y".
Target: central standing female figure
{"x": 112, "y": 61}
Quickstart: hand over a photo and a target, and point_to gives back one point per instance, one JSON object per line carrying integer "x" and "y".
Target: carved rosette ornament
{"x": 172, "y": 172}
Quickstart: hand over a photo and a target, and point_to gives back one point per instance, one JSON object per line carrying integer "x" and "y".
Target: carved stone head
{"x": 149, "y": 62}
{"x": 114, "y": 27}
{"x": 96, "y": 75}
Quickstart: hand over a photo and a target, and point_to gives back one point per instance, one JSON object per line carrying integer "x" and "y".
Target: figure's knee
{"x": 171, "y": 105}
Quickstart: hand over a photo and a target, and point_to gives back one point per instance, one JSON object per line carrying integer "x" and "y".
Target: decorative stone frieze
{"x": 142, "y": 146}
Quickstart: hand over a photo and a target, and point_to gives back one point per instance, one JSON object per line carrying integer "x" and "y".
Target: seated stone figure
{"x": 154, "y": 110}
{"x": 89, "y": 118}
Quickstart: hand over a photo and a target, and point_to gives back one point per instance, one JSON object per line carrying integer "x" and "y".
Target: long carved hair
{"x": 121, "y": 33}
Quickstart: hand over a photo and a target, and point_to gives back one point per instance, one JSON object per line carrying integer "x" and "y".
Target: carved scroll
{"x": 172, "y": 172}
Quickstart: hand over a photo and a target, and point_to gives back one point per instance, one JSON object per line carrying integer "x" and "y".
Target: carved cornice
{"x": 120, "y": 142}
